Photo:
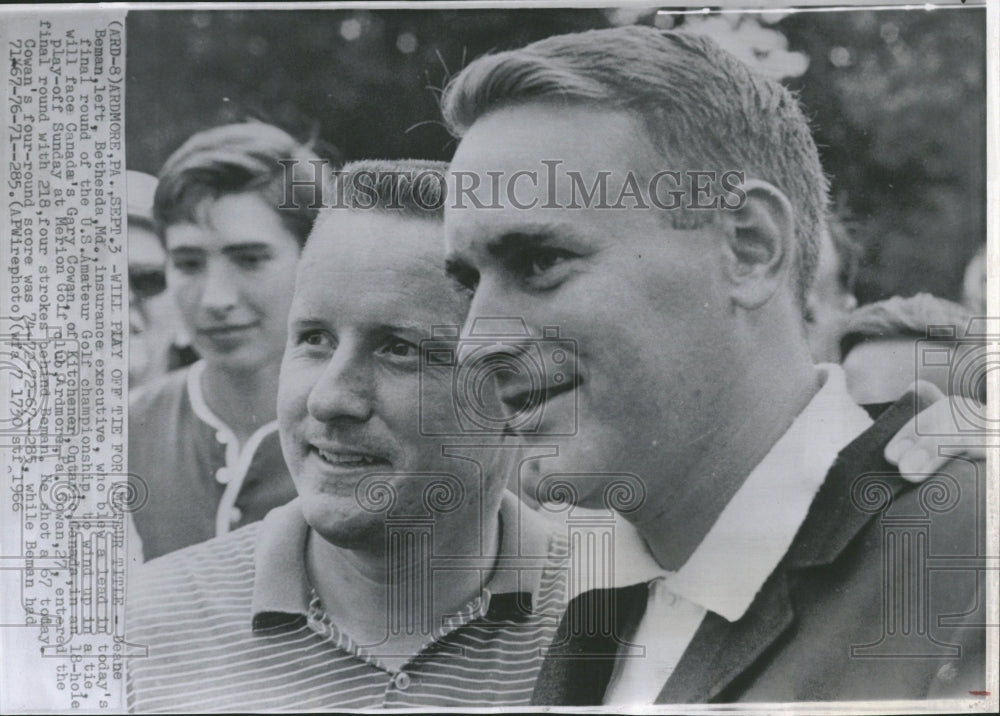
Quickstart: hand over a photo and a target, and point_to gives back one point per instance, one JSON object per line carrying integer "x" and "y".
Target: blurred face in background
{"x": 233, "y": 274}
{"x": 153, "y": 319}
{"x": 881, "y": 370}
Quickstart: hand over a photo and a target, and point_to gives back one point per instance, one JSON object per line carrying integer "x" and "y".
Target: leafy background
{"x": 896, "y": 98}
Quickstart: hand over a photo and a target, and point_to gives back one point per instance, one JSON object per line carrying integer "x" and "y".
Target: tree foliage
{"x": 897, "y": 101}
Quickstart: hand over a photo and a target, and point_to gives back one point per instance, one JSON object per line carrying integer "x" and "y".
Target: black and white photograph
{"x": 500, "y": 356}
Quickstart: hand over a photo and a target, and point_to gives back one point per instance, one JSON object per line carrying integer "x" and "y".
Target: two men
{"x": 757, "y": 572}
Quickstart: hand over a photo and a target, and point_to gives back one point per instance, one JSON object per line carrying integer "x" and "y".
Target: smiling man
{"x": 753, "y": 567}
{"x": 404, "y": 574}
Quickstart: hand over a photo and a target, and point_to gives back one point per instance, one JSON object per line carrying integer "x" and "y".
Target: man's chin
{"x": 347, "y": 526}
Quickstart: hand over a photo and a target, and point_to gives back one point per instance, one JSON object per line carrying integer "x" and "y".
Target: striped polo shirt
{"x": 233, "y": 624}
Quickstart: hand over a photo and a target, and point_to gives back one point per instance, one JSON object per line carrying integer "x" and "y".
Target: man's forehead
{"x": 377, "y": 241}
{"x": 398, "y": 270}
{"x": 202, "y": 237}
{"x": 415, "y": 304}
{"x": 521, "y": 136}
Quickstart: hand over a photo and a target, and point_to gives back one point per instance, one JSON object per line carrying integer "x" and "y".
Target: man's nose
{"x": 496, "y": 343}
{"x": 496, "y": 310}
{"x": 344, "y": 390}
{"x": 501, "y": 315}
{"x": 220, "y": 292}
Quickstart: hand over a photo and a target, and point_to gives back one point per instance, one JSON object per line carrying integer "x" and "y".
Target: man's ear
{"x": 760, "y": 244}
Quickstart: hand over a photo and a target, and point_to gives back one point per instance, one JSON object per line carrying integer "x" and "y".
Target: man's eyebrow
{"x": 246, "y": 246}
{"x": 414, "y": 326}
{"x": 309, "y": 318}
{"x": 513, "y": 242}
{"x": 306, "y": 320}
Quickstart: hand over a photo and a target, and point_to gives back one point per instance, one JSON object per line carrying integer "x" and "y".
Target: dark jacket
{"x": 880, "y": 596}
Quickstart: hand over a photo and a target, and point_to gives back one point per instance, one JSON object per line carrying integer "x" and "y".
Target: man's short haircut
{"x": 700, "y": 106}
{"x": 232, "y": 159}
{"x": 900, "y": 317}
{"x": 409, "y": 188}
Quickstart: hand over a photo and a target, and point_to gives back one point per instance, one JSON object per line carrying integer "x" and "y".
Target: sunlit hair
{"x": 232, "y": 159}
{"x": 900, "y": 317}
{"x": 413, "y": 188}
{"x": 700, "y": 106}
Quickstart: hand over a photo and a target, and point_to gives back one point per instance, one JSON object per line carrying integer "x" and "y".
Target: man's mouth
{"x": 225, "y": 330}
{"x": 350, "y": 458}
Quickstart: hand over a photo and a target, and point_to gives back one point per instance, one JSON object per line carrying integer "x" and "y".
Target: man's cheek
{"x": 431, "y": 410}
{"x": 293, "y": 396}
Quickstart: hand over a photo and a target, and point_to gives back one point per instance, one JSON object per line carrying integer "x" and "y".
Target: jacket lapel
{"x": 859, "y": 485}
{"x": 579, "y": 663}
{"x": 722, "y": 651}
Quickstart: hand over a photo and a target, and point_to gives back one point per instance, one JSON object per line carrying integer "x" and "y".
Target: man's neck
{"x": 676, "y": 519}
{"x": 380, "y": 602}
{"x": 244, "y": 400}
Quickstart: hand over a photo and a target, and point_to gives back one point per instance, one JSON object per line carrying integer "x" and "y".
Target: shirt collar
{"x": 756, "y": 528}
{"x": 281, "y": 586}
{"x": 282, "y": 592}
{"x": 223, "y": 433}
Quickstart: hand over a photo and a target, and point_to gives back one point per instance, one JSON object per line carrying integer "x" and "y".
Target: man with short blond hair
{"x": 404, "y": 574}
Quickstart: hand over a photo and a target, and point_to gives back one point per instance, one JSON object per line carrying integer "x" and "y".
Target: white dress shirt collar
{"x": 755, "y": 530}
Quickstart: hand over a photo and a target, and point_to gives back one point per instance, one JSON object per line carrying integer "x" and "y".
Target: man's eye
{"x": 249, "y": 261}
{"x": 537, "y": 263}
{"x": 186, "y": 265}
{"x": 544, "y": 260}
{"x": 399, "y": 348}
{"x": 316, "y": 338}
